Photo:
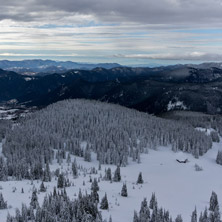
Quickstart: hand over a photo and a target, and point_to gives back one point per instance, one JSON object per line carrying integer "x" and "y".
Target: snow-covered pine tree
{"x": 34, "y": 199}
{"x": 152, "y": 201}
{"x": 219, "y": 157}
{"x": 61, "y": 181}
{"x": 42, "y": 187}
{"x": 135, "y": 217}
{"x": 215, "y": 137}
{"x": 75, "y": 169}
{"x": 124, "y": 190}
{"x": 104, "y": 203}
{"x": 87, "y": 154}
{"x": 140, "y": 178}
{"x": 47, "y": 173}
{"x": 95, "y": 196}
{"x": 108, "y": 174}
{"x": 215, "y": 215}
{"x": 94, "y": 185}
{"x": 194, "y": 215}
{"x": 3, "y": 169}
{"x": 3, "y": 203}
{"x": 213, "y": 201}
{"x": 179, "y": 218}
{"x": 144, "y": 214}
{"x": 117, "y": 175}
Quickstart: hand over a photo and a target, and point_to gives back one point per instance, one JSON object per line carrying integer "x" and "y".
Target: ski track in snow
{"x": 178, "y": 187}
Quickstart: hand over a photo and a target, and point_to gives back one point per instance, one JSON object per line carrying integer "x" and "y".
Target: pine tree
{"x": 117, "y": 175}
{"x": 140, "y": 178}
{"x": 135, "y": 217}
{"x": 34, "y": 200}
{"x": 3, "y": 169}
{"x": 68, "y": 159}
{"x": 219, "y": 157}
{"x": 205, "y": 216}
{"x": 3, "y": 203}
{"x": 47, "y": 174}
{"x": 94, "y": 185}
{"x": 166, "y": 216}
{"x": 9, "y": 218}
{"x": 108, "y": 174}
{"x": 213, "y": 201}
{"x": 95, "y": 196}
{"x": 61, "y": 181}
{"x": 42, "y": 187}
{"x": 104, "y": 203}
{"x": 144, "y": 214}
{"x": 152, "y": 201}
{"x": 100, "y": 167}
{"x": 18, "y": 216}
{"x": 124, "y": 191}
{"x": 217, "y": 214}
{"x": 74, "y": 169}
{"x": 87, "y": 154}
{"x": 194, "y": 215}
{"x": 179, "y": 218}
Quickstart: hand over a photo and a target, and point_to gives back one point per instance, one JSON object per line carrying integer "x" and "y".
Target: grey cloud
{"x": 198, "y": 56}
{"x": 185, "y": 12}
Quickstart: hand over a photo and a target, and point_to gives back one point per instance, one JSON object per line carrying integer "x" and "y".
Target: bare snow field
{"x": 178, "y": 187}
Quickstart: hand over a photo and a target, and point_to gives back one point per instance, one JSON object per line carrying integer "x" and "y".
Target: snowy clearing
{"x": 178, "y": 187}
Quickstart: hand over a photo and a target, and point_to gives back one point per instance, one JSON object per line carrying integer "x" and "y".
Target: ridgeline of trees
{"x": 113, "y": 132}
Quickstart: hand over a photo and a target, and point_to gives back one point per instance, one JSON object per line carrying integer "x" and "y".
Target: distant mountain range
{"x": 43, "y": 67}
{"x": 153, "y": 90}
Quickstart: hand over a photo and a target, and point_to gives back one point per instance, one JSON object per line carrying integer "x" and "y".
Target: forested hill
{"x": 113, "y": 132}
{"x": 153, "y": 90}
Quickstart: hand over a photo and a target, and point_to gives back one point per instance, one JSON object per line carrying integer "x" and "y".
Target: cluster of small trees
{"x": 58, "y": 207}
{"x": 153, "y": 213}
{"x": 214, "y": 212}
{"x": 113, "y": 132}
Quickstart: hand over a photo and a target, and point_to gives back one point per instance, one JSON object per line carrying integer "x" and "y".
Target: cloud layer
{"x": 140, "y": 11}
{"x": 124, "y": 31}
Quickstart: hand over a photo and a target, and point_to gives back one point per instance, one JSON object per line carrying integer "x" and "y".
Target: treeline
{"x": 58, "y": 207}
{"x": 113, "y": 132}
{"x": 151, "y": 212}
{"x": 197, "y": 120}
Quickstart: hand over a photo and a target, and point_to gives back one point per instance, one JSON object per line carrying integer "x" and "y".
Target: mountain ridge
{"x": 153, "y": 90}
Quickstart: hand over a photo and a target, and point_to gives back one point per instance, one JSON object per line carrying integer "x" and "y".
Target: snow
{"x": 28, "y": 79}
{"x": 7, "y": 113}
{"x": 178, "y": 187}
{"x": 178, "y": 104}
{"x": 207, "y": 131}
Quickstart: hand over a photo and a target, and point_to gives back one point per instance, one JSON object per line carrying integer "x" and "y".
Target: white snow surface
{"x": 28, "y": 79}
{"x": 178, "y": 187}
{"x": 178, "y": 104}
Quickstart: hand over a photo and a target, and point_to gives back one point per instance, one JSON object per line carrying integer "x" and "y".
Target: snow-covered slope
{"x": 178, "y": 187}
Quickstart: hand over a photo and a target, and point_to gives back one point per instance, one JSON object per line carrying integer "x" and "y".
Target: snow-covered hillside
{"x": 71, "y": 143}
{"x": 178, "y": 187}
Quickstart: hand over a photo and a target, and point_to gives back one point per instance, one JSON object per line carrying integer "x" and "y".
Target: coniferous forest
{"x": 90, "y": 130}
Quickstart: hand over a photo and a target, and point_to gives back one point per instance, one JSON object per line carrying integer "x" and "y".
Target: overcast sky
{"x": 123, "y": 31}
